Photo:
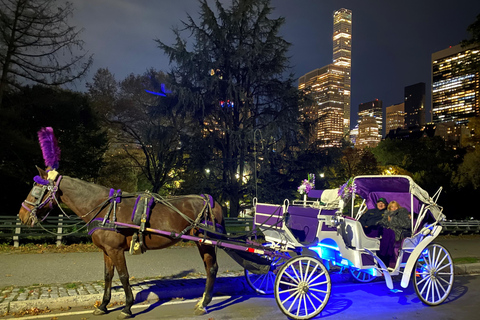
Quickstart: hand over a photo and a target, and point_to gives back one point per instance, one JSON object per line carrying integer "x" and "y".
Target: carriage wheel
{"x": 264, "y": 283}
{"x": 362, "y": 275}
{"x": 302, "y": 287}
{"x": 433, "y": 275}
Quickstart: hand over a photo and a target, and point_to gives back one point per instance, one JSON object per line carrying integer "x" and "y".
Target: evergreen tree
{"x": 232, "y": 79}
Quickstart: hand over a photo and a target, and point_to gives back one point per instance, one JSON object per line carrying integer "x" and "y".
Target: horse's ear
{"x": 42, "y": 172}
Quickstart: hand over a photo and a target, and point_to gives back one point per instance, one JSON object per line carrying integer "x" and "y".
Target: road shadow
{"x": 166, "y": 290}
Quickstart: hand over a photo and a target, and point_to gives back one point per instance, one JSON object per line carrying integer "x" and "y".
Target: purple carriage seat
{"x": 269, "y": 215}
{"x": 303, "y": 222}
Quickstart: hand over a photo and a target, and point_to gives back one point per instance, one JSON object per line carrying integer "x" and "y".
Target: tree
{"x": 145, "y": 127}
{"x": 352, "y": 162}
{"x": 81, "y": 140}
{"x": 38, "y": 46}
{"x": 232, "y": 80}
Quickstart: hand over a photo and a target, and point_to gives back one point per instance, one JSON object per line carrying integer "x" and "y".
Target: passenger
{"x": 395, "y": 226}
{"x": 397, "y": 219}
{"x": 370, "y": 218}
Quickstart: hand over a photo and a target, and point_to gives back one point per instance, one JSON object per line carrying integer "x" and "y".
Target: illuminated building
{"x": 452, "y": 132}
{"x": 330, "y": 87}
{"x": 372, "y": 109}
{"x": 395, "y": 117}
{"x": 415, "y": 105}
{"x": 327, "y": 93}
{"x": 342, "y": 56}
{"x": 455, "y": 84}
{"x": 369, "y": 134}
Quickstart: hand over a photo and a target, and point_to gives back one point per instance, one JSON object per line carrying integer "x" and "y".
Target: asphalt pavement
{"x": 56, "y": 280}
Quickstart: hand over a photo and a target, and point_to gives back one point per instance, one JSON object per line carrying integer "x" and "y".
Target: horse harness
{"x": 44, "y": 193}
{"x": 38, "y": 193}
{"x": 144, "y": 205}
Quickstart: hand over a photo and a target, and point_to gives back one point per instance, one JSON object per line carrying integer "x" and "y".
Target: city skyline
{"x": 391, "y": 48}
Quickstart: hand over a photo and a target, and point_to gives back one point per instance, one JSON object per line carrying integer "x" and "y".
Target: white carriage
{"x": 318, "y": 235}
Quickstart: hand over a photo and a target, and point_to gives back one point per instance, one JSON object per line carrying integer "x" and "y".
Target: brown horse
{"x": 89, "y": 201}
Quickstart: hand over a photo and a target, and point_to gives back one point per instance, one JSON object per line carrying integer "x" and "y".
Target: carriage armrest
{"x": 354, "y": 235}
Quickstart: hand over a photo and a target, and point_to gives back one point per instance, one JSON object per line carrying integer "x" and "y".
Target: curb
{"x": 468, "y": 268}
{"x": 160, "y": 290}
{"x": 170, "y": 289}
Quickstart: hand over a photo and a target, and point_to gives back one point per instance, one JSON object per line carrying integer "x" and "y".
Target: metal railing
{"x": 11, "y": 227}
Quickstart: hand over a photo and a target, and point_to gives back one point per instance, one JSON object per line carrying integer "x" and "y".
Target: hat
{"x": 382, "y": 200}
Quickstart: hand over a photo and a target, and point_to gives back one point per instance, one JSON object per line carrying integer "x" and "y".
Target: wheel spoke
{"x": 306, "y": 270}
{"x": 318, "y": 276}
{"x": 312, "y": 273}
{"x": 288, "y": 274}
{"x": 315, "y": 296}
{"x": 424, "y": 278}
{"x": 289, "y": 297}
{"x": 443, "y": 267}
{"x": 317, "y": 284}
{"x": 295, "y": 270}
{"x": 299, "y": 304}
{"x": 318, "y": 290}
{"x": 288, "y": 290}
{"x": 445, "y": 281}
{"x": 311, "y": 302}
{"x": 297, "y": 294}
{"x": 289, "y": 284}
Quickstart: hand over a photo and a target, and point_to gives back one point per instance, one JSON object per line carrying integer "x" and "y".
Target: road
{"x": 348, "y": 301}
{"x": 59, "y": 268}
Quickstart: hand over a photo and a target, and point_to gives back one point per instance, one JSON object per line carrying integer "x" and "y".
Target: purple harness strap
{"x": 210, "y": 199}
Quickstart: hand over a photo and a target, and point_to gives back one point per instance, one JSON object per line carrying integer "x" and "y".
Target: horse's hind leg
{"x": 108, "y": 276}
{"x": 209, "y": 257}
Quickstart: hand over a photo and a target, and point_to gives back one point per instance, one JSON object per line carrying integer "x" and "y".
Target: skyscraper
{"x": 342, "y": 56}
{"x": 326, "y": 91}
{"x": 415, "y": 105}
{"x": 372, "y": 109}
{"x": 394, "y": 117}
{"x": 455, "y": 84}
{"x": 330, "y": 86}
{"x": 369, "y": 123}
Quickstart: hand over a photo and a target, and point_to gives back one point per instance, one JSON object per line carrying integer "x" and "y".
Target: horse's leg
{"x": 108, "y": 276}
{"x": 118, "y": 257}
{"x": 209, "y": 257}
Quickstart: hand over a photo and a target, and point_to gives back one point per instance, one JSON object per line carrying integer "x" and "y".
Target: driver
{"x": 370, "y": 218}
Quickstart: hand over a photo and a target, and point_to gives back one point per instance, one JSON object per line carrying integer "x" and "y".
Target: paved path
{"x": 56, "y": 268}
{"x": 75, "y": 279}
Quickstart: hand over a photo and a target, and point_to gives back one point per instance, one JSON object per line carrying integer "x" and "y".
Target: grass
{"x": 466, "y": 260}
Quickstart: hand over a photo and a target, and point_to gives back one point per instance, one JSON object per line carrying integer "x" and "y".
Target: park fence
{"x": 61, "y": 227}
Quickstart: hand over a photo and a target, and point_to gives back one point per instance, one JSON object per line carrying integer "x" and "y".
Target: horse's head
{"x": 42, "y": 198}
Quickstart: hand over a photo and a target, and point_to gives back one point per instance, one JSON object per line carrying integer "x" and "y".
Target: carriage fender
{"x": 416, "y": 253}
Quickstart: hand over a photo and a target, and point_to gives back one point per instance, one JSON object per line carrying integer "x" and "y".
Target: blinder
{"x": 39, "y": 192}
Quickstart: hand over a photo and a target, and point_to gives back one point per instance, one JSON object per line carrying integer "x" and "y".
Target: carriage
{"x": 303, "y": 239}
{"x": 323, "y": 230}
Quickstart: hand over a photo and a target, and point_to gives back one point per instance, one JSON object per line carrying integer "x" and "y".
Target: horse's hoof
{"x": 200, "y": 311}
{"x": 99, "y": 312}
{"x": 124, "y": 315}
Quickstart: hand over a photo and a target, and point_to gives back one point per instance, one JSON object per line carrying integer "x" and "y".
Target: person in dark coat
{"x": 370, "y": 218}
{"x": 394, "y": 226}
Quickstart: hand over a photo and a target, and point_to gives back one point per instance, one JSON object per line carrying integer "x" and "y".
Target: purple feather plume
{"x": 49, "y": 146}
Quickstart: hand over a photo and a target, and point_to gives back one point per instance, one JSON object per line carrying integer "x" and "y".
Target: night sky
{"x": 392, "y": 41}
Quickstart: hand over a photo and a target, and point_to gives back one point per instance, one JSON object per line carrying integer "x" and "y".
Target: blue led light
{"x": 162, "y": 93}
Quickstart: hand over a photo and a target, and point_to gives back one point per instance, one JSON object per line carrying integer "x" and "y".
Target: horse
{"x": 89, "y": 201}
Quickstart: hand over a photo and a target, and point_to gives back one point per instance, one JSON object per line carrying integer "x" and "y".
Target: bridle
{"x": 38, "y": 192}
